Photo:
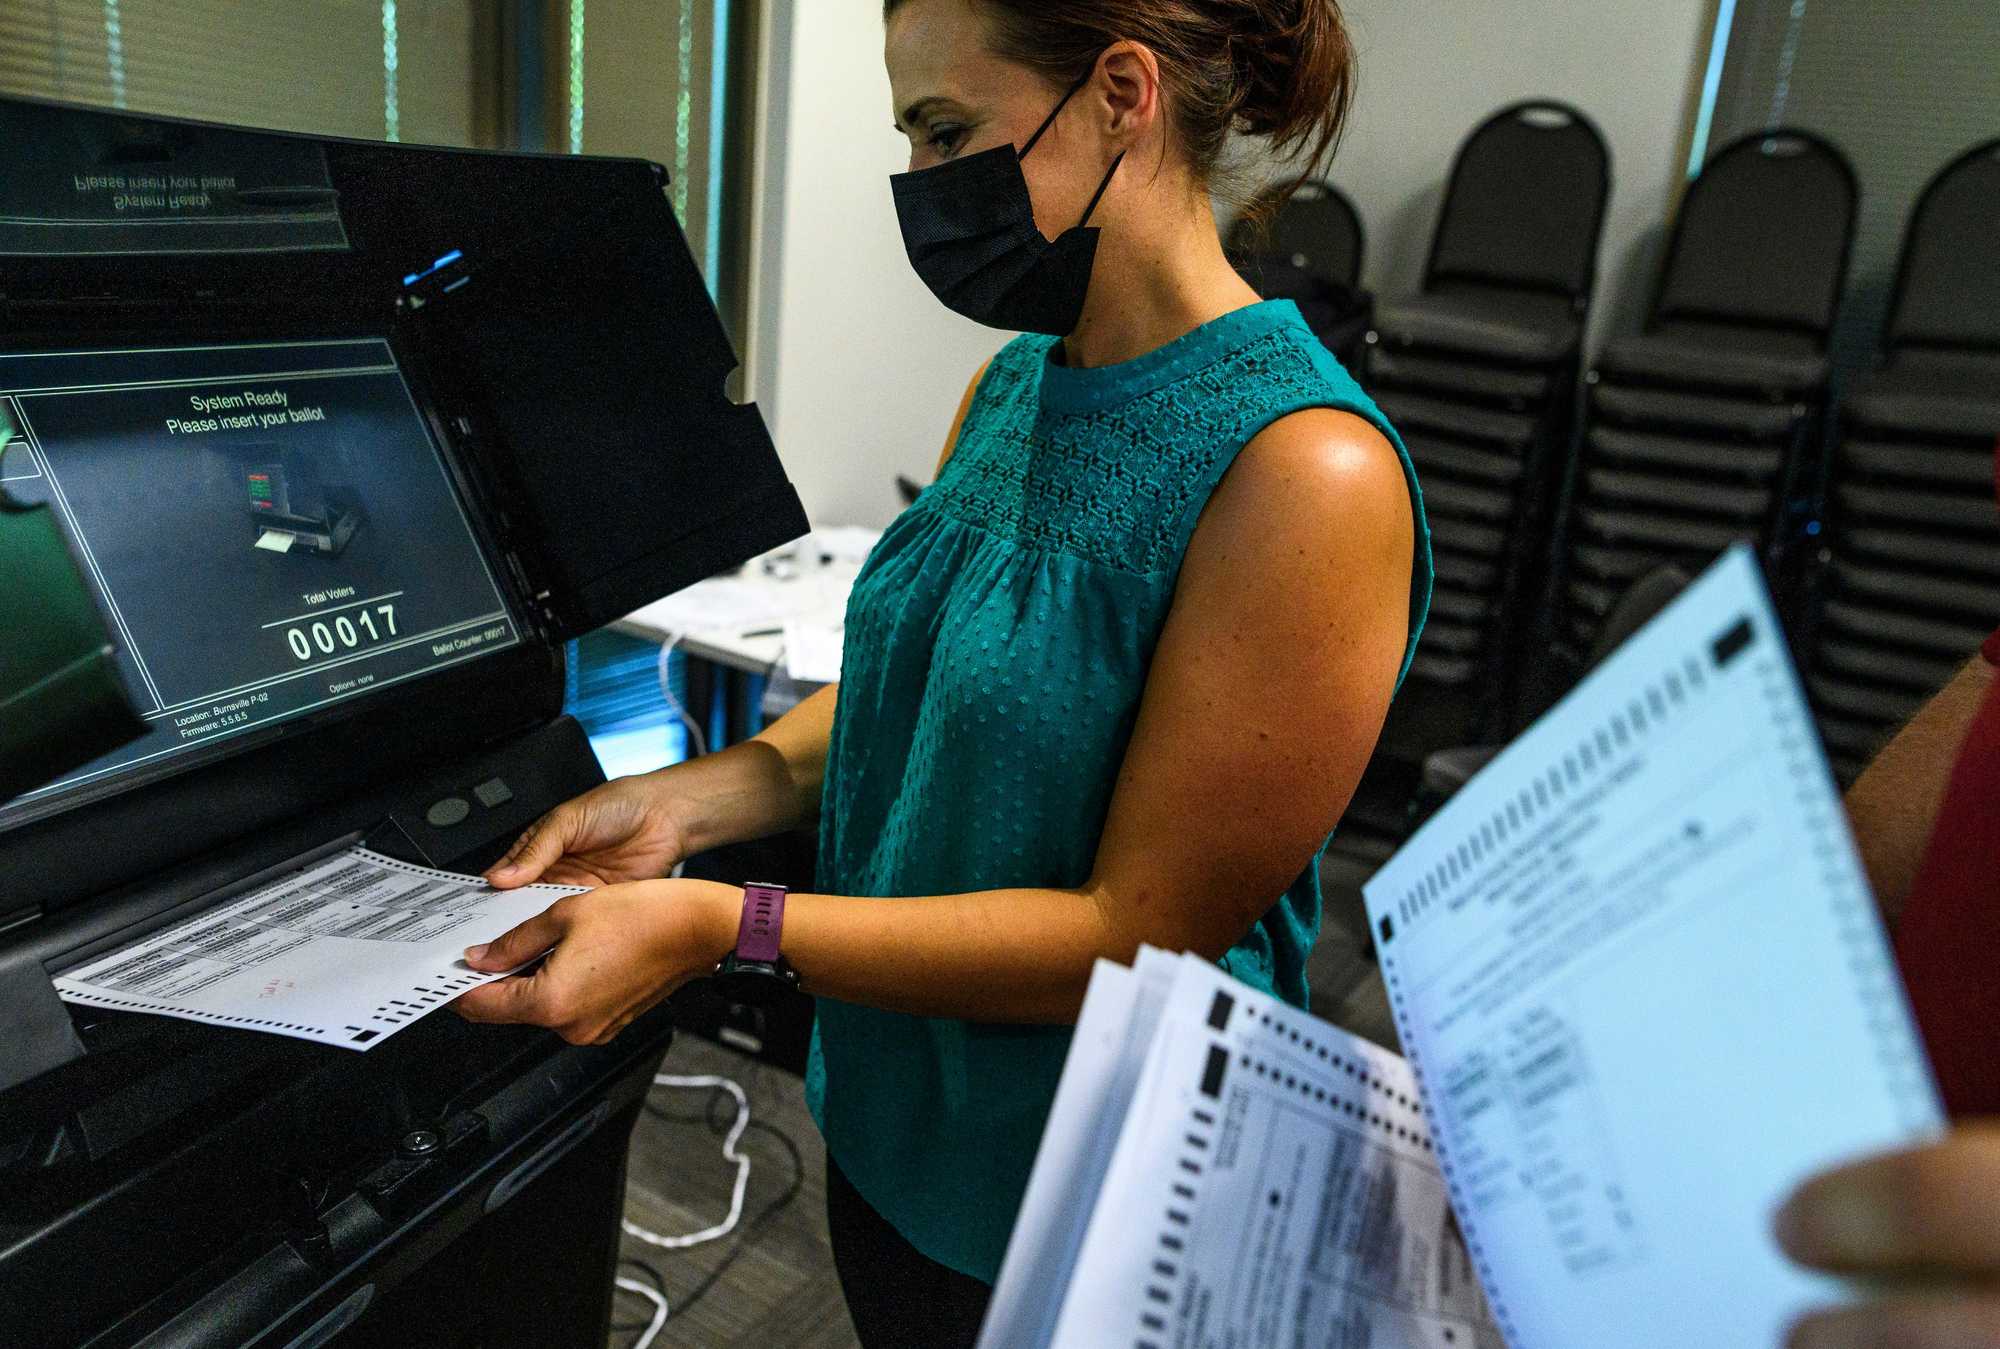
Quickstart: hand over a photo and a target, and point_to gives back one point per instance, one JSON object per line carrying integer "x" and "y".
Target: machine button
{"x": 493, "y": 792}
{"x": 448, "y": 812}
{"x": 419, "y": 1143}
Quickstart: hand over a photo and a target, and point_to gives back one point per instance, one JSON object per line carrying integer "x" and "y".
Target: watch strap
{"x": 757, "y": 936}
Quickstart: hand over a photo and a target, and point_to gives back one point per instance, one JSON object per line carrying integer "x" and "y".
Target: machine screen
{"x": 269, "y": 530}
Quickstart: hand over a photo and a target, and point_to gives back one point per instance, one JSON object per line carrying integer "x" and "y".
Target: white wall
{"x": 1430, "y": 70}
{"x": 857, "y": 366}
{"x": 859, "y": 369}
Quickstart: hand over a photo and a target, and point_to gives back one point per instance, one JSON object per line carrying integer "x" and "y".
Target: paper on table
{"x": 1637, "y": 964}
{"x": 1271, "y": 1183}
{"x": 724, "y": 604}
{"x": 727, "y": 607}
{"x": 813, "y": 651}
{"x": 843, "y": 543}
{"x": 346, "y": 952}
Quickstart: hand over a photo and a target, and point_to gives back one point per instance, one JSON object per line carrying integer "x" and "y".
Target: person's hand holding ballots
{"x": 1920, "y": 1230}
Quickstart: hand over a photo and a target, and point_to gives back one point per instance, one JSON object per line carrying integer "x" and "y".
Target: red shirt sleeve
{"x": 1949, "y": 940}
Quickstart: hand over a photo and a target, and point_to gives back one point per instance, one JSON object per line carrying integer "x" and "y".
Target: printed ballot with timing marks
{"x": 1221, "y": 1169}
{"x": 1639, "y": 975}
{"x": 346, "y": 951}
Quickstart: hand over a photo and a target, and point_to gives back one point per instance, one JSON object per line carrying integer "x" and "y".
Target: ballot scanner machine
{"x": 348, "y": 440}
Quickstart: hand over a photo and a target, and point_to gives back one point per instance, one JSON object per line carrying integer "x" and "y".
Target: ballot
{"x": 346, "y": 951}
{"x": 1644, "y": 989}
{"x": 1221, "y": 1169}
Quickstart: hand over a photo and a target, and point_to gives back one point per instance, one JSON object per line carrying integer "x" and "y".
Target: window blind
{"x": 640, "y": 79}
{"x": 375, "y": 69}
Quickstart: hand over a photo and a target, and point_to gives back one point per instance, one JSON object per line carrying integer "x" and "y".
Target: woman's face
{"x": 954, "y": 97}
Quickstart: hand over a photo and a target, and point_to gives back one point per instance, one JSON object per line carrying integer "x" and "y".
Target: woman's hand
{"x": 1928, "y": 1216}
{"x": 617, "y": 953}
{"x": 640, "y": 828}
{"x": 626, "y": 830}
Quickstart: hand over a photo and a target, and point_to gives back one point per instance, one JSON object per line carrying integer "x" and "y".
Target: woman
{"x": 1112, "y": 680}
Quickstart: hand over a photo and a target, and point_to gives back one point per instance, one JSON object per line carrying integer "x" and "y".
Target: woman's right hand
{"x": 626, "y": 830}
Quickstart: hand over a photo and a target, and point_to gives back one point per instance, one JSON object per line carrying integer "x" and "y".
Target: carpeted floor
{"x": 778, "y": 1289}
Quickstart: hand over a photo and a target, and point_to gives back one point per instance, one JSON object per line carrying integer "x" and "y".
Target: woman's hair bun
{"x": 1294, "y": 73}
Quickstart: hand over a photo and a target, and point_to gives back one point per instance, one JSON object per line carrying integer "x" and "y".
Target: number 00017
{"x": 344, "y": 633}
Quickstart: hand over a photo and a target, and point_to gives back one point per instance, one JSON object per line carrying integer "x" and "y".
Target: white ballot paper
{"x": 1640, "y": 977}
{"x": 346, "y": 951}
{"x": 1221, "y": 1169}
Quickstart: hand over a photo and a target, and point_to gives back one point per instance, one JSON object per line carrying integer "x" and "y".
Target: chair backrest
{"x": 1525, "y": 203}
{"x": 1636, "y": 608}
{"x": 1948, "y": 282}
{"x": 1762, "y": 237}
{"x": 1317, "y": 230}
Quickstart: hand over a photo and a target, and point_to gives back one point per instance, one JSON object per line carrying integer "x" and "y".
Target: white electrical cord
{"x": 729, "y": 1152}
{"x": 652, "y": 1295}
{"x": 695, "y": 736}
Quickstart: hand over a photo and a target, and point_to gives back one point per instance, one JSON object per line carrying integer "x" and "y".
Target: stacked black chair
{"x": 1309, "y": 250}
{"x": 1478, "y": 373}
{"x": 1448, "y": 770}
{"x": 1913, "y": 582}
{"x": 1704, "y": 427}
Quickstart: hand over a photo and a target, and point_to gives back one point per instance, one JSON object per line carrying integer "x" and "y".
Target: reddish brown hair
{"x": 1279, "y": 69}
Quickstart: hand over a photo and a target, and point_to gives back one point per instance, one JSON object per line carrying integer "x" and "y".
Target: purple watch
{"x": 756, "y": 966}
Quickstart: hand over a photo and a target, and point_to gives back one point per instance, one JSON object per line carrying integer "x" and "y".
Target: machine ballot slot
{"x": 157, "y": 918}
{"x": 40, "y": 1033}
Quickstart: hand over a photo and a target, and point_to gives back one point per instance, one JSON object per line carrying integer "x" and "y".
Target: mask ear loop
{"x": 1102, "y": 187}
{"x": 1050, "y": 120}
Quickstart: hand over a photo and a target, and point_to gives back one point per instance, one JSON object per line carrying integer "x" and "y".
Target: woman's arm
{"x": 1895, "y": 801}
{"x": 1266, "y": 694}
{"x": 637, "y": 829}
{"x": 766, "y": 785}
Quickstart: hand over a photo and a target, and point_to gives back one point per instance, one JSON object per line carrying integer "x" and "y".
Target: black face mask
{"x": 969, "y": 227}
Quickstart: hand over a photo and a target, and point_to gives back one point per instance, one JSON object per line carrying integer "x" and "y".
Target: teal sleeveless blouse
{"x": 997, "y": 646}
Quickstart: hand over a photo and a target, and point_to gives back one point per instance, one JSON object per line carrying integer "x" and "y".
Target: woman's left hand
{"x": 1929, "y": 1218}
{"x": 613, "y": 954}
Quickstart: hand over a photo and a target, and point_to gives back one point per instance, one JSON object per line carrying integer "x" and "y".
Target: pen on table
{"x": 764, "y": 632}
